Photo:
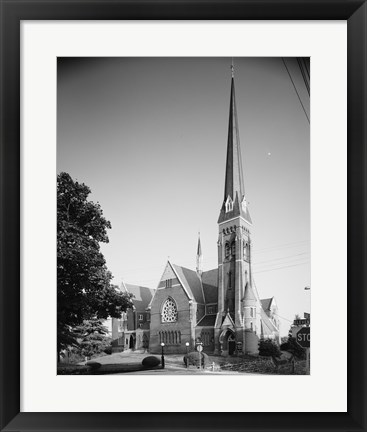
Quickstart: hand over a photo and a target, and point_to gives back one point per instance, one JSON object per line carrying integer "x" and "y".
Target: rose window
{"x": 169, "y": 311}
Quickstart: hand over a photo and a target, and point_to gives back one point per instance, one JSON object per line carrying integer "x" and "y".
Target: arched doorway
{"x": 132, "y": 342}
{"x": 227, "y": 342}
{"x": 231, "y": 344}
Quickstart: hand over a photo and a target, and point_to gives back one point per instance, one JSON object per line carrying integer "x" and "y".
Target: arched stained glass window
{"x": 169, "y": 311}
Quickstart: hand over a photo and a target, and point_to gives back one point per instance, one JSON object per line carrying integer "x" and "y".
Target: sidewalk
{"x": 173, "y": 364}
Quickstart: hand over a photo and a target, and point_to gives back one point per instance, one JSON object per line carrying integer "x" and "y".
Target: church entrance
{"x": 231, "y": 344}
{"x": 227, "y": 342}
{"x": 132, "y": 342}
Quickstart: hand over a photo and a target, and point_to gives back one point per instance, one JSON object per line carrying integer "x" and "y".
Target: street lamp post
{"x": 199, "y": 349}
{"x": 187, "y": 354}
{"x": 162, "y": 345}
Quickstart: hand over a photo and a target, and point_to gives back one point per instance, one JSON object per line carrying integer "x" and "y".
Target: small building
{"x": 270, "y": 317}
{"x": 132, "y": 330}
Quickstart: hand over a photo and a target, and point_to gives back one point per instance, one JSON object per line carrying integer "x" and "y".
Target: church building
{"x": 220, "y": 308}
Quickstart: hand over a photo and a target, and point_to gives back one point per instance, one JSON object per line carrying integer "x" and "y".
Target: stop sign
{"x": 304, "y": 337}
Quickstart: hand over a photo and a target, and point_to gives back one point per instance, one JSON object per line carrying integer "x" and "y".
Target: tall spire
{"x": 234, "y": 175}
{"x": 199, "y": 258}
{"x": 234, "y": 190}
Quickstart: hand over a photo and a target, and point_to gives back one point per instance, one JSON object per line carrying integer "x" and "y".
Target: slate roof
{"x": 210, "y": 285}
{"x": 207, "y": 321}
{"x": 191, "y": 282}
{"x": 234, "y": 185}
{"x": 265, "y": 303}
{"x": 268, "y": 326}
{"x": 234, "y": 175}
{"x": 142, "y": 295}
{"x": 249, "y": 293}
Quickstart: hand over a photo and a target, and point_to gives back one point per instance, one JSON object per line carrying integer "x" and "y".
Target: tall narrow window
{"x": 169, "y": 311}
{"x": 233, "y": 249}
{"x": 245, "y": 251}
{"x": 227, "y": 250}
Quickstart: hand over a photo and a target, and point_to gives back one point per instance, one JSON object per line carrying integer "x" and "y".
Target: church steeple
{"x": 234, "y": 202}
{"x": 234, "y": 244}
{"x": 234, "y": 175}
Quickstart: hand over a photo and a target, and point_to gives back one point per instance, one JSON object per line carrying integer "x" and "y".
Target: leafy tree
{"x": 293, "y": 347}
{"x": 84, "y": 289}
{"x": 268, "y": 348}
{"x": 283, "y": 339}
{"x": 92, "y": 338}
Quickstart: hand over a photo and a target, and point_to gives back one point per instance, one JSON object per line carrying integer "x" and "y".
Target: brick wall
{"x": 182, "y": 325}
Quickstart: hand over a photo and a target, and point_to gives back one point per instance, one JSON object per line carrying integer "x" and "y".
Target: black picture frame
{"x": 12, "y": 12}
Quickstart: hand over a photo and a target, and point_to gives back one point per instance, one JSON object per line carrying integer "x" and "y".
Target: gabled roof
{"x": 266, "y": 303}
{"x": 142, "y": 295}
{"x": 268, "y": 326}
{"x": 207, "y": 321}
{"x": 191, "y": 281}
{"x": 210, "y": 285}
{"x": 228, "y": 320}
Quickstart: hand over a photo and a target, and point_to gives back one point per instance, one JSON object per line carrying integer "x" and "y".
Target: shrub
{"x": 93, "y": 365}
{"x": 150, "y": 361}
{"x": 268, "y": 348}
{"x": 284, "y": 339}
{"x": 293, "y": 347}
{"x": 108, "y": 350}
{"x": 193, "y": 359}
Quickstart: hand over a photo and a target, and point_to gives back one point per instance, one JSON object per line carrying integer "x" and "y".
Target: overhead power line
{"x": 280, "y": 268}
{"x": 279, "y": 259}
{"x": 279, "y": 316}
{"x": 271, "y": 265}
{"x": 280, "y": 246}
{"x": 297, "y": 244}
{"x": 295, "y": 88}
{"x": 304, "y": 72}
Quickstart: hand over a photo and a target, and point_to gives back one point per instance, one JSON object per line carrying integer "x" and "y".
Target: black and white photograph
{"x": 183, "y": 216}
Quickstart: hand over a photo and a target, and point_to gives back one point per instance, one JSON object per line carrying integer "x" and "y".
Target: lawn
{"x": 129, "y": 361}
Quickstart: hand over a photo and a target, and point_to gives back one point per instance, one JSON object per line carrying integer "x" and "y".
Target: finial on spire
{"x": 199, "y": 258}
{"x": 199, "y": 246}
{"x": 232, "y": 68}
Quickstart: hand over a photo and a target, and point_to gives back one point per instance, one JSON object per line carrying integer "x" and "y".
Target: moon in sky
{"x": 269, "y": 154}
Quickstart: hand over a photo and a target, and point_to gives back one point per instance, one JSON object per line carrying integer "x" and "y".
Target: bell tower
{"x": 234, "y": 242}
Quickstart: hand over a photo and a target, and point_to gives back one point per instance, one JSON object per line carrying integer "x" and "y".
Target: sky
{"x": 149, "y": 137}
